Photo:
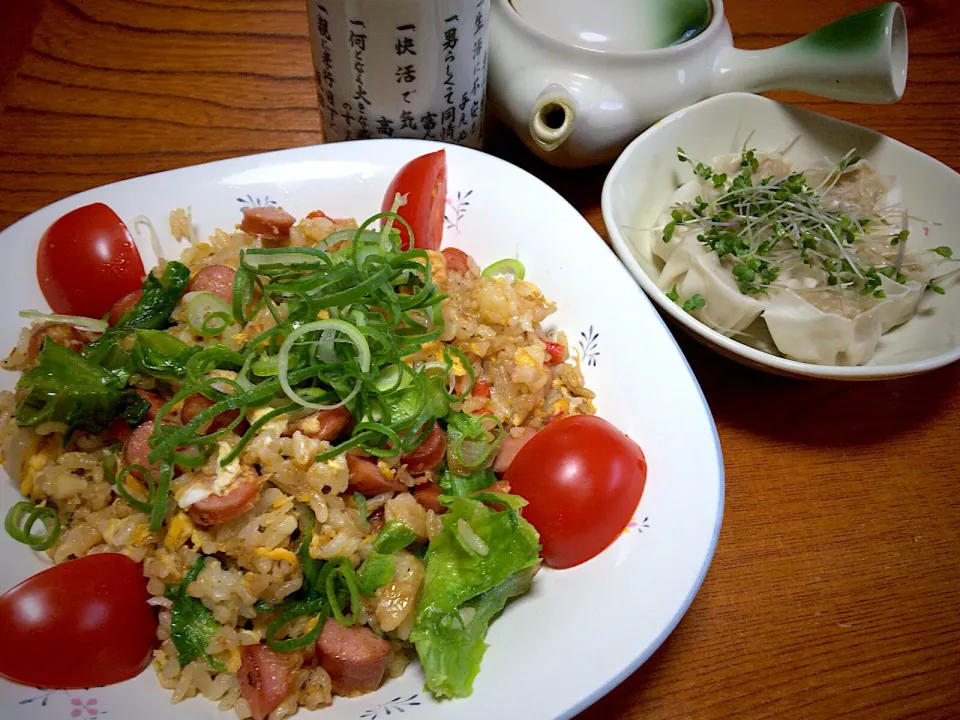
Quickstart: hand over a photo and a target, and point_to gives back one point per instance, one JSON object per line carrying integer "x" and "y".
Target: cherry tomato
{"x": 424, "y": 181}
{"x": 127, "y": 302}
{"x": 87, "y": 261}
{"x": 583, "y": 479}
{"x": 81, "y": 624}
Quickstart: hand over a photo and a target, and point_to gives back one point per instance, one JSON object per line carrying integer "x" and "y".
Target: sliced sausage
{"x": 457, "y": 260}
{"x": 137, "y": 448}
{"x": 60, "y": 333}
{"x": 196, "y": 404}
{"x": 366, "y": 478}
{"x": 270, "y": 223}
{"x": 324, "y": 425}
{"x": 509, "y": 448}
{"x": 218, "y": 509}
{"x": 216, "y": 279}
{"x": 354, "y": 657}
{"x": 116, "y": 431}
{"x": 266, "y": 677}
{"x": 428, "y": 454}
{"x": 156, "y": 402}
{"x": 427, "y": 495}
{"x": 122, "y": 305}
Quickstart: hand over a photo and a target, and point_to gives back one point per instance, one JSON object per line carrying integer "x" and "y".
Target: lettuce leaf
{"x": 463, "y": 591}
{"x": 158, "y": 353}
{"x": 159, "y": 296}
{"x": 66, "y": 387}
{"x": 461, "y": 485}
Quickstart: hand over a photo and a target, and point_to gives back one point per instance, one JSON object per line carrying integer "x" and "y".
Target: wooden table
{"x": 835, "y": 590}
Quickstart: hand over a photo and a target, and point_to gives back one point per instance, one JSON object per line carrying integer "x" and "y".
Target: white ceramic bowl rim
{"x": 833, "y": 372}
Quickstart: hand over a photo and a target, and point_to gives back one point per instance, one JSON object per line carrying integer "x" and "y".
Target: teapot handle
{"x": 861, "y": 58}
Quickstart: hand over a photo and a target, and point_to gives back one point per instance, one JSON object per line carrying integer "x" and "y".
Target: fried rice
{"x": 497, "y": 322}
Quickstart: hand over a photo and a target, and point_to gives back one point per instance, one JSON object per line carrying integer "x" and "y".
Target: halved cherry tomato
{"x": 583, "y": 479}
{"x": 81, "y": 624}
{"x": 87, "y": 261}
{"x": 127, "y": 302}
{"x": 424, "y": 181}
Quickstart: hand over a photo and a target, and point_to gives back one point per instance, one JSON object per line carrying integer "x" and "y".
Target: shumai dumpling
{"x": 804, "y": 332}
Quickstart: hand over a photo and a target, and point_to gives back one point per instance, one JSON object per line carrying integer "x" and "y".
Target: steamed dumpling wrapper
{"x": 807, "y": 318}
{"x": 803, "y": 332}
{"x": 694, "y": 269}
{"x": 686, "y": 193}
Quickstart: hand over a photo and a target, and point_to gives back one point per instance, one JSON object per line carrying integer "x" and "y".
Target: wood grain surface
{"x": 835, "y": 589}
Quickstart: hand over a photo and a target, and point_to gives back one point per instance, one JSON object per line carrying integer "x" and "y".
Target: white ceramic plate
{"x": 642, "y": 181}
{"x": 580, "y": 631}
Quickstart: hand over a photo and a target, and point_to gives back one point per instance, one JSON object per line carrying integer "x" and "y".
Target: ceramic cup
{"x": 401, "y": 68}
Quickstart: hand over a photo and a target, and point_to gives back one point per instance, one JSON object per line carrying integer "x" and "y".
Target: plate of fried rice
{"x": 302, "y": 429}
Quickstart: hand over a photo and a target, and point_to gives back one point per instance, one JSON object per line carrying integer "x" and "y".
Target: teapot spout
{"x": 861, "y": 58}
{"x": 553, "y": 117}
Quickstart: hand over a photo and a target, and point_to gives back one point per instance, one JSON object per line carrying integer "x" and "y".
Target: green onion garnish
{"x": 507, "y": 266}
{"x": 20, "y": 522}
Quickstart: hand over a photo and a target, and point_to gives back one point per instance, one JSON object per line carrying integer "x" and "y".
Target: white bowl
{"x": 645, "y": 176}
{"x": 580, "y": 631}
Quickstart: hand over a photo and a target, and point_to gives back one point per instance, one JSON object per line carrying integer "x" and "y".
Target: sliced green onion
{"x": 507, "y": 266}
{"x": 160, "y": 493}
{"x": 396, "y": 535}
{"x": 21, "y": 519}
{"x": 83, "y": 323}
{"x": 208, "y": 314}
{"x": 119, "y": 485}
{"x": 317, "y": 608}
{"x": 345, "y": 571}
{"x": 361, "y": 502}
{"x": 276, "y": 258}
{"x": 467, "y": 365}
{"x": 283, "y": 368}
{"x": 392, "y": 378}
{"x": 377, "y": 570}
{"x": 266, "y": 365}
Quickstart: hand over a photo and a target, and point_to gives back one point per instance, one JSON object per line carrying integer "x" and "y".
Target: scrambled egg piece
{"x": 277, "y": 554}
{"x": 457, "y": 366}
{"x": 140, "y": 533}
{"x": 277, "y": 426}
{"x": 223, "y": 480}
{"x": 35, "y": 464}
{"x": 323, "y": 315}
{"x": 179, "y": 531}
{"x": 523, "y": 357}
{"x": 388, "y": 472}
{"x": 560, "y": 406}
